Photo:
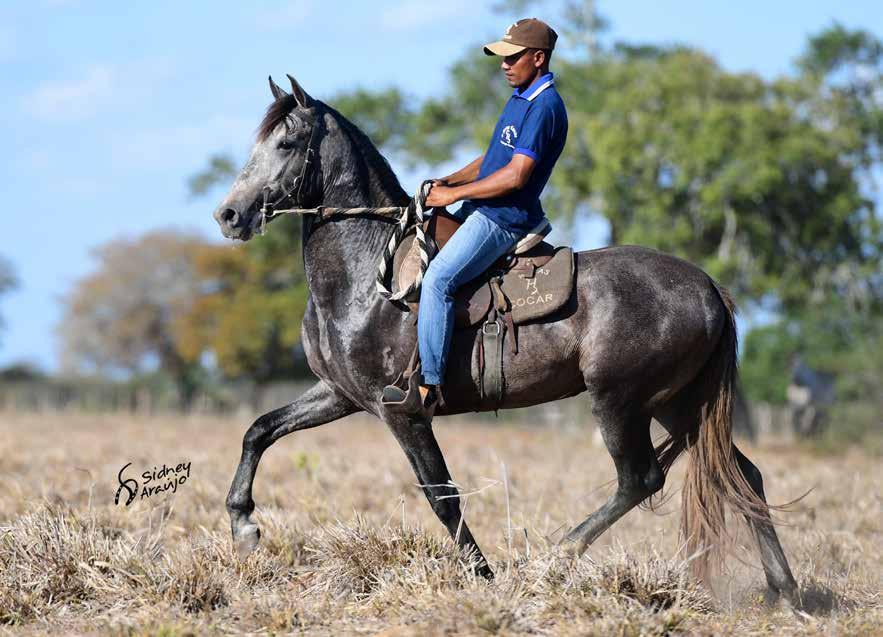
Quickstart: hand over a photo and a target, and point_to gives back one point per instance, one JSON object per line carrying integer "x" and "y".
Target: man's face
{"x": 521, "y": 67}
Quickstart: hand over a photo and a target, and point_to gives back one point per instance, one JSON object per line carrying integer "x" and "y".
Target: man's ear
{"x": 539, "y": 58}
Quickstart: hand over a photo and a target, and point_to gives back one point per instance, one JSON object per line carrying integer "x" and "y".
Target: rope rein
{"x": 411, "y": 215}
{"x": 385, "y": 265}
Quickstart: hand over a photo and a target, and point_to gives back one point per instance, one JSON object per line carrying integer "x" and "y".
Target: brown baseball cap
{"x": 527, "y": 33}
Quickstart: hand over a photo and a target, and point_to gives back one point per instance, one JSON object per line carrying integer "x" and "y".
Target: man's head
{"x": 525, "y": 48}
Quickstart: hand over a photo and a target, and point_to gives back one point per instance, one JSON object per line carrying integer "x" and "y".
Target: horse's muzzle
{"x": 234, "y": 224}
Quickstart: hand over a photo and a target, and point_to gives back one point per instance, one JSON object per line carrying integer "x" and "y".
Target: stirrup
{"x": 409, "y": 401}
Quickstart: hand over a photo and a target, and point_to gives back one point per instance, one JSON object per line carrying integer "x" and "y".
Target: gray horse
{"x": 646, "y": 334}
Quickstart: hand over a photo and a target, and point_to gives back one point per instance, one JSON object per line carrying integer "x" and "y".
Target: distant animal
{"x": 647, "y": 335}
{"x": 810, "y": 394}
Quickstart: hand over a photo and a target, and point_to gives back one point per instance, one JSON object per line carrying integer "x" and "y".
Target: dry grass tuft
{"x": 52, "y": 557}
{"x": 359, "y": 559}
{"x": 192, "y": 580}
{"x": 652, "y": 582}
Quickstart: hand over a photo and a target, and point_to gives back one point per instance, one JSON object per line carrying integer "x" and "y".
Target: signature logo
{"x": 508, "y": 35}
{"x": 508, "y": 136}
{"x": 152, "y": 482}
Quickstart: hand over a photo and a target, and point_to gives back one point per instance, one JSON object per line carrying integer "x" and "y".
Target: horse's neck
{"x": 341, "y": 255}
{"x": 345, "y": 252}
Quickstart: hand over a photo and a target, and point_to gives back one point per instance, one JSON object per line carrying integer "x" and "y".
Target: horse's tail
{"x": 713, "y": 479}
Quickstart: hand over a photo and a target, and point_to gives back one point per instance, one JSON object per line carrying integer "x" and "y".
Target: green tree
{"x": 248, "y": 311}
{"x": 759, "y": 182}
{"x": 765, "y": 184}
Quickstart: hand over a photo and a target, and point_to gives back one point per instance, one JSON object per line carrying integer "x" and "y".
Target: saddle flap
{"x": 538, "y": 286}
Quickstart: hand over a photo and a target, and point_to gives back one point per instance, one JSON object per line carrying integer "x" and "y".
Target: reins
{"x": 408, "y": 216}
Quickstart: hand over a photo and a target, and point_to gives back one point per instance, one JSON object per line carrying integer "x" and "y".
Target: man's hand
{"x": 441, "y": 196}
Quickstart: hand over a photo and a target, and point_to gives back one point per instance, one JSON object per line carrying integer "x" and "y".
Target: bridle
{"x": 405, "y": 217}
{"x": 268, "y": 209}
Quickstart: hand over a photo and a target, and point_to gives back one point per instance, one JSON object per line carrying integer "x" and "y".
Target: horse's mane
{"x": 280, "y": 110}
{"x": 277, "y": 112}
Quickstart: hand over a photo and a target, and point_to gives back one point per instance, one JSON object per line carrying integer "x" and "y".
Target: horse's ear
{"x": 278, "y": 93}
{"x": 303, "y": 99}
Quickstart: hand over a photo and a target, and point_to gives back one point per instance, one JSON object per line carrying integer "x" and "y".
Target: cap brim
{"x": 502, "y": 48}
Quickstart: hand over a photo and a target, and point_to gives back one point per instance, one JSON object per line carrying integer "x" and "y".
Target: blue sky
{"x": 109, "y": 106}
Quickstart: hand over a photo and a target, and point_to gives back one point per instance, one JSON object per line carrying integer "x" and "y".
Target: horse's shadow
{"x": 820, "y": 600}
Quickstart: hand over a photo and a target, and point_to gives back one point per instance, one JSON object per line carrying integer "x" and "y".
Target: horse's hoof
{"x": 484, "y": 571}
{"x": 792, "y": 597}
{"x": 245, "y": 539}
{"x": 573, "y": 549}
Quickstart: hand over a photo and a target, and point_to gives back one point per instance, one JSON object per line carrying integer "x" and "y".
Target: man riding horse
{"x": 646, "y": 335}
{"x": 500, "y": 190}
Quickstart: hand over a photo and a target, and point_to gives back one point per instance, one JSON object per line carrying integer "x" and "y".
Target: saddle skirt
{"x": 528, "y": 284}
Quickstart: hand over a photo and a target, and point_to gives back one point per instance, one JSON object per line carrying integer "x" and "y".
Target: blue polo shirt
{"x": 534, "y": 123}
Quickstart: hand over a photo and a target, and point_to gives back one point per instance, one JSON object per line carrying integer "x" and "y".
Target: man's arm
{"x": 465, "y": 175}
{"x": 510, "y": 177}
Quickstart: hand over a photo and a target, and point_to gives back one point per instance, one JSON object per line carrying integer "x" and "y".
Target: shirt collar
{"x": 537, "y": 86}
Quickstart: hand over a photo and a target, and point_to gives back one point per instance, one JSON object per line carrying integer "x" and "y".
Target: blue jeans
{"x": 469, "y": 252}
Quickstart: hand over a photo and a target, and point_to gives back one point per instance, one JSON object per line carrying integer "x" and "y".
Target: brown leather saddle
{"x": 527, "y": 284}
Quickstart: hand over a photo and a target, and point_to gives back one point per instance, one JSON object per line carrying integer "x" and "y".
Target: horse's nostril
{"x": 230, "y": 217}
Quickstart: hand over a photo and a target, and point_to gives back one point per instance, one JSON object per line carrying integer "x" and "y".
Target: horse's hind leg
{"x": 316, "y": 406}
{"x": 684, "y": 415}
{"x": 420, "y": 446}
{"x": 775, "y": 566}
{"x": 639, "y": 475}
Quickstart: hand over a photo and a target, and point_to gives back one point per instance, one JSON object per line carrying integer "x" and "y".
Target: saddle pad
{"x": 535, "y": 292}
{"x": 405, "y": 265}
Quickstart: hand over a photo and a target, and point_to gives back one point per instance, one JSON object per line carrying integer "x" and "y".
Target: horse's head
{"x": 280, "y": 171}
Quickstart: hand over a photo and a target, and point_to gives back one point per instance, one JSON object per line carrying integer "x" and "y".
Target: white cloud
{"x": 68, "y": 100}
{"x": 291, "y": 15}
{"x": 413, "y": 14}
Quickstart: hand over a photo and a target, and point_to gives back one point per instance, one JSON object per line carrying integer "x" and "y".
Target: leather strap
{"x": 513, "y": 338}
{"x": 501, "y": 303}
{"x": 492, "y": 335}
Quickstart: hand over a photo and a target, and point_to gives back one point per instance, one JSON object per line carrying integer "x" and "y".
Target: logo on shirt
{"x": 508, "y": 136}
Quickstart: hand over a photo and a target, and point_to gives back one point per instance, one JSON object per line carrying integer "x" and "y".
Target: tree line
{"x": 766, "y": 184}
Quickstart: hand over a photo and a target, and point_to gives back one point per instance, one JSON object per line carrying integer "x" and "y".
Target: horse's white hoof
{"x": 245, "y": 541}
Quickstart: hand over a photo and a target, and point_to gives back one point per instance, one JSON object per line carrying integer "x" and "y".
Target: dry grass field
{"x": 350, "y": 546}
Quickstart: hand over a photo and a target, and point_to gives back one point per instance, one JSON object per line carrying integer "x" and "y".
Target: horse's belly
{"x": 546, "y": 368}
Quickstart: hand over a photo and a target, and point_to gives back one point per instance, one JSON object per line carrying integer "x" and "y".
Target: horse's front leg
{"x": 318, "y": 405}
{"x": 418, "y": 442}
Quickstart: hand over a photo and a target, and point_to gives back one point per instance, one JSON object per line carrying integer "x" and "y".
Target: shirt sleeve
{"x": 537, "y": 133}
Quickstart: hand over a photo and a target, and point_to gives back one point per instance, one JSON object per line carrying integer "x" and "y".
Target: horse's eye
{"x": 286, "y": 144}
